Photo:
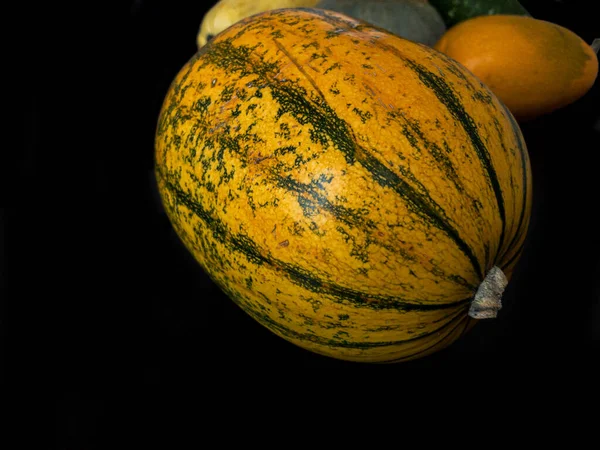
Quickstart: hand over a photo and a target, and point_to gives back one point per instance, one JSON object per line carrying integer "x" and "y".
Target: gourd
{"x": 416, "y": 20}
{"x": 534, "y": 66}
{"x": 227, "y": 12}
{"x": 360, "y": 195}
{"x": 455, "y": 11}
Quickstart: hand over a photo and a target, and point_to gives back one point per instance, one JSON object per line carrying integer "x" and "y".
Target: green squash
{"x": 454, "y": 11}
{"x": 415, "y": 20}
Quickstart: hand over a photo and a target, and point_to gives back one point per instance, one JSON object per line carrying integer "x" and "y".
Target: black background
{"x": 120, "y": 329}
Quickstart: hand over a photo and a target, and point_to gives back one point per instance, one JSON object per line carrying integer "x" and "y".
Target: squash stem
{"x": 487, "y": 301}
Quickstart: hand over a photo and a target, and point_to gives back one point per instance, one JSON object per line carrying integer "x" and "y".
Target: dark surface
{"x": 123, "y": 333}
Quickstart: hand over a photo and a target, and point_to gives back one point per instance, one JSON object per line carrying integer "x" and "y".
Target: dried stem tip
{"x": 487, "y": 301}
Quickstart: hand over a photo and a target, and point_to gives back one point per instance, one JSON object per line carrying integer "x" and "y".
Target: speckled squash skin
{"x": 347, "y": 188}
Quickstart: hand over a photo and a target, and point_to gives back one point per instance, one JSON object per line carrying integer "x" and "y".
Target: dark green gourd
{"x": 415, "y": 20}
{"x": 454, "y": 11}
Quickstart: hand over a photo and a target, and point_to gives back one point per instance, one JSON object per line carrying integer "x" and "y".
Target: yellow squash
{"x": 227, "y": 12}
{"x": 362, "y": 196}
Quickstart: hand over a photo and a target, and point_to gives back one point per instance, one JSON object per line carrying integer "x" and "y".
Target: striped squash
{"x": 358, "y": 194}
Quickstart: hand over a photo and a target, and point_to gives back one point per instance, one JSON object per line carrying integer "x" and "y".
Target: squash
{"x": 360, "y": 195}
{"x": 416, "y": 20}
{"x": 455, "y": 11}
{"x": 534, "y": 66}
{"x": 227, "y": 12}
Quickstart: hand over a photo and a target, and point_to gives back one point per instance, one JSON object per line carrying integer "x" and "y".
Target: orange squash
{"x": 534, "y": 66}
{"x": 360, "y": 195}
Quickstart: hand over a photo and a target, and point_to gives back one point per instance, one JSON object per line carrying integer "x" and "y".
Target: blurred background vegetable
{"x": 227, "y": 12}
{"x": 534, "y": 66}
{"x": 416, "y": 20}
